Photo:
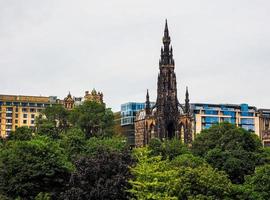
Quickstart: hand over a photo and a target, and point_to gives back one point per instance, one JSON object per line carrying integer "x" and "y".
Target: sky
{"x": 221, "y": 48}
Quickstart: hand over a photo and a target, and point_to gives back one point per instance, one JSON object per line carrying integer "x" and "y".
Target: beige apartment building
{"x": 18, "y": 110}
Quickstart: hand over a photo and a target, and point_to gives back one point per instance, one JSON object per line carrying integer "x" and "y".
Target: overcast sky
{"x": 221, "y": 48}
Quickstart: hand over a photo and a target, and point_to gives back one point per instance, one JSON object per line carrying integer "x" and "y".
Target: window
{"x": 16, "y": 126}
{"x": 24, "y": 121}
{"x": 247, "y": 121}
{"x": 17, "y": 110}
{"x": 9, "y": 109}
{"x": 32, "y": 121}
{"x": 24, "y": 110}
{"x": 32, "y": 110}
{"x": 8, "y": 114}
{"x": 9, "y": 120}
{"x": 24, "y": 115}
{"x": 16, "y": 115}
{"x": 8, "y": 126}
{"x": 16, "y": 121}
{"x": 32, "y": 115}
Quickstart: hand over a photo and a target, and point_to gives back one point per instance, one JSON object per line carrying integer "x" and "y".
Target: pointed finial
{"x": 147, "y": 104}
{"x": 166, "y": 30}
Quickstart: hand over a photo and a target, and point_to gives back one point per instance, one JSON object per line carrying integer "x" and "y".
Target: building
{"x": 206, "y": 115}
{"x": 94, "y": 96}
{"x": 242, "y": 115}
{"x": 167, "y": 118}
{"x": 17, "y": 111}
{"x": 128, "y": 115}
{"x": 264, "y": 128}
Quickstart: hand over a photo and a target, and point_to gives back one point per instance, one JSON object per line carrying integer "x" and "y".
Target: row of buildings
{"x": 167, "y": 118}
{"x": 18, "y": 110}
{"x": 205, "y": 115}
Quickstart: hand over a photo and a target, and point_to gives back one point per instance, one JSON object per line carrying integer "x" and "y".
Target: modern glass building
{"x": 128, "y": 115}
{"x": 242, "y": 115}
{"x": 129, "y": 111}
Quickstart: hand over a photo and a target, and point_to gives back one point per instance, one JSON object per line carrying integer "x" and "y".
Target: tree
{"x": 74, "y": 142}
{"x": 52, "y": 121}
{"x": 202, "y": 182}
{"x": 258, "y": 184}
{"x": 110, "y": 144}
{"x": 225, "y": 136}
{"x": 184, "y": 177}
{"x": 167, "y": 149}
{"x": 100, "y": 176}
{"x": 30, "y": 167}
{"x": 153, "y": 177}
{"x": 21, "y": 133}
{"x": 229, "y": 148}
{"x": 93, "y": 118}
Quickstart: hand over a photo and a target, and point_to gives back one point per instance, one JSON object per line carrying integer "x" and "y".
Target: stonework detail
{"x": 69, "y": 102}
{"x": 168, "y": 118}
{"x": 94, "y": 96}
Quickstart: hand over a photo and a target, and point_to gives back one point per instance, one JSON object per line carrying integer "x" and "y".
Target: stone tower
{"x": 167, "y": 104}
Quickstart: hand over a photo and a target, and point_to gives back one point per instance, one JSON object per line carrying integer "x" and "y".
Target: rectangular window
{"x": 16, "y": 115}
{"x": 9, "y": 120}
{"x": 32, "y": 115}
{"x": 25, "y": 110}
{"x": 8, "y": 127}
{"x": 8, "y": 114}
{"x": 24, "y": 121}
{"x": 17, "y": 110}
{"x": 9, "y": 109}
{"x": 32, "y": 121}
{"x": 24, "y": 115}
{"x": 247, "y": 121}
{"x": 16, "y": 121}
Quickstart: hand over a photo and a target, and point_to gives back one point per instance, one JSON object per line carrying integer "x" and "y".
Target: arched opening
{"x": 170, "y": 130}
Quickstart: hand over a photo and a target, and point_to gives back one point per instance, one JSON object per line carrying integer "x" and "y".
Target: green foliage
{"x": 225, "y": 136}
{"x": 229, "y": 148}
{"x": 168, "y": 149}
{"x": 53, "y": 121}
{"x": 74, "y": 143}
{"x": 202, "y": 182}
{"x": 21, "y": 133}
{"x": 188, "y": 160}
{"x": 43, "y": 196}
{"x": 93, "y": 118}
{"x": 153, "y": 177}
{"x": 100, "y": 176}
{"x": 30, "y": 167}
{"x": 184, "y": 177}
{"x": 258, "y": 184}
{"x": 110, "y": 144}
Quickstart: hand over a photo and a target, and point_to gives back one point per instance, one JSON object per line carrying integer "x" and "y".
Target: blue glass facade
{"x": 242, "y": 115}
{"x": 129, "y": 111}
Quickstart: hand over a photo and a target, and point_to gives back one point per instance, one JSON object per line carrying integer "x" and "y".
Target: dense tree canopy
{"x": 229, "y": 148}
{"x": 93, "y": 118}
{"x": 75, "y": 155}
{"x": 21, "y": 133}
{"x": 30, "y": 167}
{"x": 103, "y": 175}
